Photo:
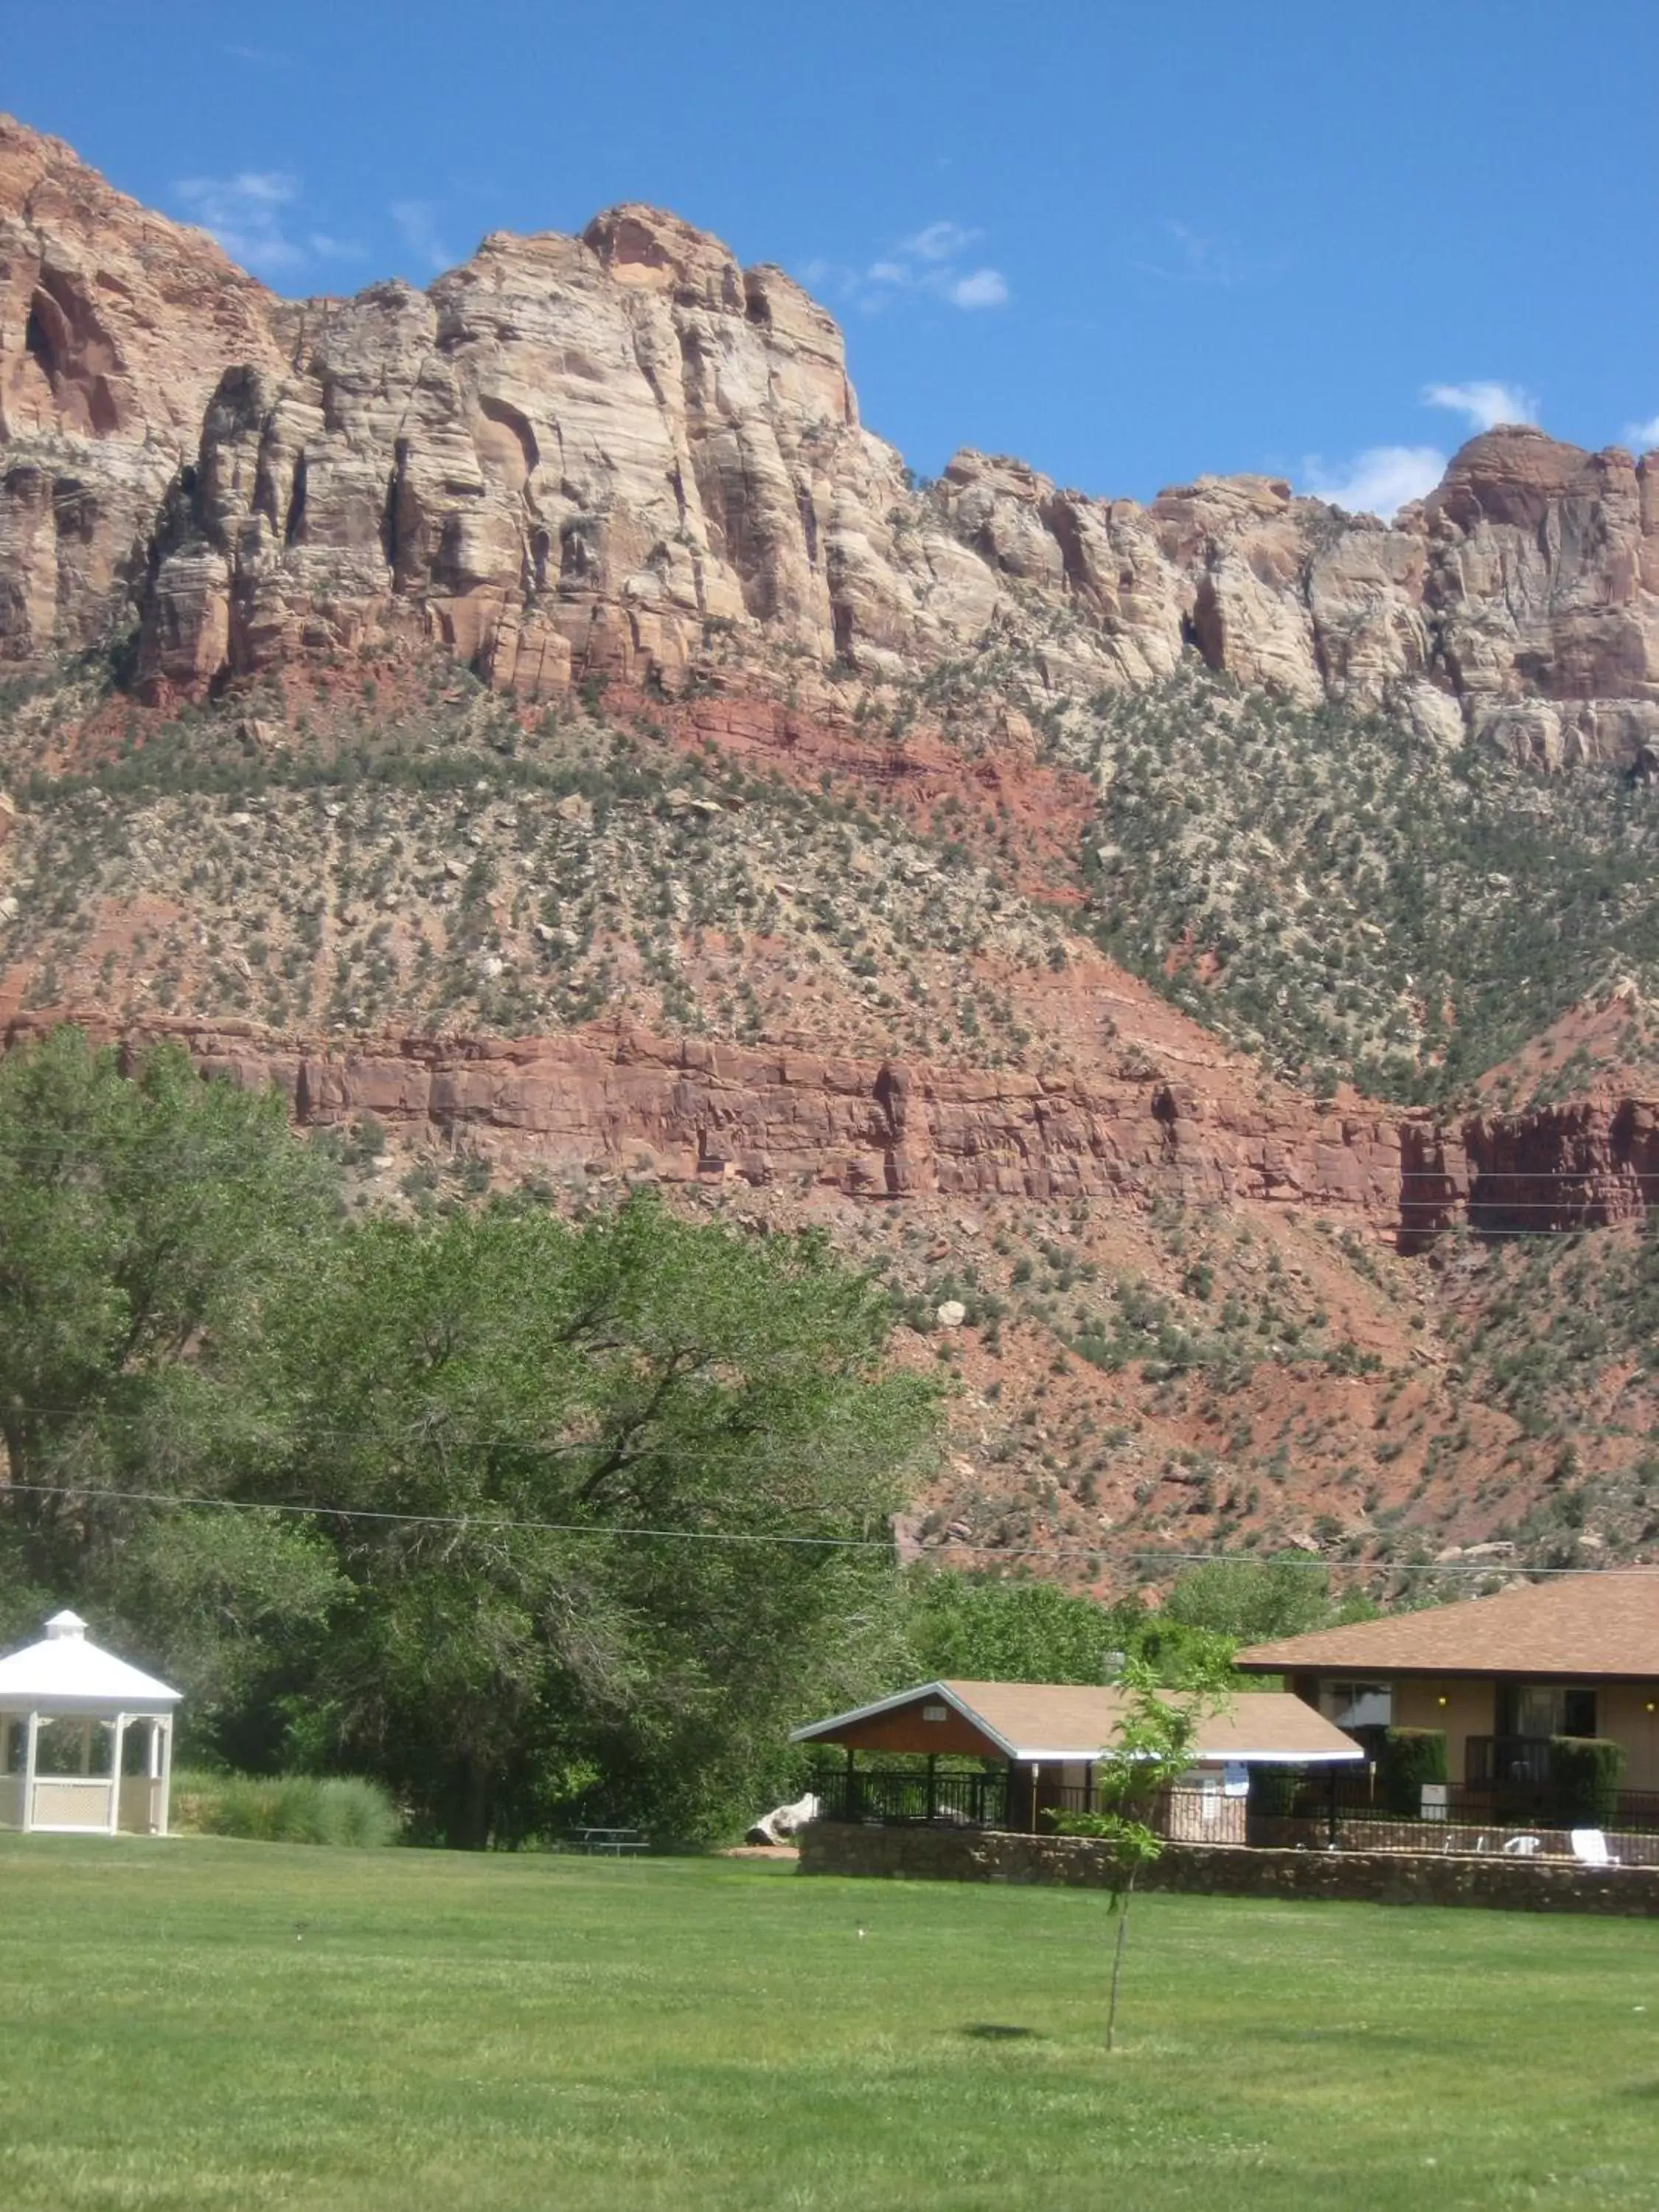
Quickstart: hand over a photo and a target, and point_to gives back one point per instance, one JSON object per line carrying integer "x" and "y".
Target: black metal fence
{"x": 909, "y": 1797}
{"x": 1337, "y": 1811}
{"x": 1523, "y": 1816}
{"x": 906, "y": 1798}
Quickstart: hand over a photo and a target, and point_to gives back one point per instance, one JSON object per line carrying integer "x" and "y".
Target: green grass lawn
{"x": 227, "y": 2025}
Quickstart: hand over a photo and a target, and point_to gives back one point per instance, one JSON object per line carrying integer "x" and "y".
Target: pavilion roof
{"x": 65, "y": 1673}
{"x": 1049, "y": 1722}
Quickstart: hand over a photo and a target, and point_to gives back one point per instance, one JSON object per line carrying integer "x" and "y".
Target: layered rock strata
{"x": 579, "y": 455}
{"x": 1584, "y": 1165}
{"x": 684, "y": 1110}
{"x": 116, "y": 326}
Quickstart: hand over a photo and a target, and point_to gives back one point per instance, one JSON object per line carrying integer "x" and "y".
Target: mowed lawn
{"x": 225, "y": 2025}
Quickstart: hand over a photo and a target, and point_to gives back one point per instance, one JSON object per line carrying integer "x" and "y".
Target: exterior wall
{"x": 1379, "y": 1877}
{"x": 1629, "y": 1713}
{"x": 1471, "y": 1709}
{"x": 904, "y": 1729}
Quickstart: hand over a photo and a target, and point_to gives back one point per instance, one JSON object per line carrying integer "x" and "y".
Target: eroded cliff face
{"x": 579, "y": 455}
{"x": 688, "y": 1111}
{"x": 1584, "y": 1163}
{"x": 115, "y": 328}
{"x": 685, "y": 1110}
{"x": 677, "y": 1110}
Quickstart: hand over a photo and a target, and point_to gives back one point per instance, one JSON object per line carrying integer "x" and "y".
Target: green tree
{"x": 1152, "y": 1748}
{"x": 147, "y": 1222}
{"x": 978, "y": 1629}
{"x": 1251, "y": 1600}
{"x": 601, "y": 1433}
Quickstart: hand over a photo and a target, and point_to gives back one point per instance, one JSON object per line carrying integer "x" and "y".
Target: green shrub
{"x": 342, "y": 1810}
{"x": 1585, "y": 1772}
{"x": 1410, "y": 1758}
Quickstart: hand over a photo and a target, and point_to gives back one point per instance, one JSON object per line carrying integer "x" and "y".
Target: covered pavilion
{"x": 1013, "y": 1751}
{"x": 55, "y": 1697}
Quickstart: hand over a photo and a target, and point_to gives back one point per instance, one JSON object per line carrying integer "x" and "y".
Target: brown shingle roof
{"x": 1605, "y": 1625}
{"x": 1078, "y": 1721}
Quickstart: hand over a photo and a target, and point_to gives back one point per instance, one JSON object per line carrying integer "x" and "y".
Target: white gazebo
{"x": 67, "y": 1688}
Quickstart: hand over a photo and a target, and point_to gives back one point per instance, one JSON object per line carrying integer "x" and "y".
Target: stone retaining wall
{"x": 1231, "y": 1870}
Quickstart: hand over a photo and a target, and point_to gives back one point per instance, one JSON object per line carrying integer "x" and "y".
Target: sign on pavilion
{"x": 86, "y": 1741}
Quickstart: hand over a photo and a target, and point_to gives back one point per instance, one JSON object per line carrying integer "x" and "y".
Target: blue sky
{"x": 1131, "y": 243}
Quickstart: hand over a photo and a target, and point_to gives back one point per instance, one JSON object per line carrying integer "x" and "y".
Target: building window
{"x": 1539, "y": 1709}
{"x": 1352, "y": 1705}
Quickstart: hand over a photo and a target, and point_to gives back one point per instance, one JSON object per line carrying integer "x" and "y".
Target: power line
{"x": 500, "y": 1525}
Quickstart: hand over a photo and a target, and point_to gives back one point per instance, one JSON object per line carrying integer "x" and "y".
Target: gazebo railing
{"x": 70, "y": 1800}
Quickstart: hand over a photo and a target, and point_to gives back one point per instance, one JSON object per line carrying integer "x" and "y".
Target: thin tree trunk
{"x": 470, "y": 1832}
{"x": 1117, "y": 1955}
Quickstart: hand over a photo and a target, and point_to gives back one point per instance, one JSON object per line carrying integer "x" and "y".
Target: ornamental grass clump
{"x": 346, "y": 1810}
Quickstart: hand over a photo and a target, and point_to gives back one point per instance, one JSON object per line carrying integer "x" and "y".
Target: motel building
{"x": 1505, "y": 1679}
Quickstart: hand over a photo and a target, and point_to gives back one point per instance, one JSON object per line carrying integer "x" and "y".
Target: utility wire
{"x": 492, "y": 1525}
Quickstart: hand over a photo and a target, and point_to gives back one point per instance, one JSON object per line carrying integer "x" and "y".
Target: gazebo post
{"x": 118, "y": 1737}
{"x": 165, "y": 1728}
{"x": 31, "y": 1748}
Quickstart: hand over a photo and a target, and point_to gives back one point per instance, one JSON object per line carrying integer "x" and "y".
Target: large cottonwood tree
{"x": 524, "y": 1517}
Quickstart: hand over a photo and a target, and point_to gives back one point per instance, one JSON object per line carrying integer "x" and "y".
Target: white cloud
{"x": 940, "y": 241}
{"x": 246, "y": 213}
{"x": 1644, "y": 436}
{"x": 418, "y": 224}
{"x": 981, "y": 287}
{"x": 928, "y": 262}
{"x": 1485, "y": 404}
{"x": 1176, "y": 253}
{"x": 249, "y": 215}
{"x": 1380, "y": 481}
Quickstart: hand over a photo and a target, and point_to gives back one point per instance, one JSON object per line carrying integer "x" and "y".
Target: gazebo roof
{"x": 65, "y": 1673}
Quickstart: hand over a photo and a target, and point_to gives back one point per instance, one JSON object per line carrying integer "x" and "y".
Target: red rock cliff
{"x": 577, "y": 454}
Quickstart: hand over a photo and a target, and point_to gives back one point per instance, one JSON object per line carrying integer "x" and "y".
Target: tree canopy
{"x": 526, "y": 1516}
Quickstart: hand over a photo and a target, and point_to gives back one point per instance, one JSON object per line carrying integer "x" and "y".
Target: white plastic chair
{"x": 1522, "y": 1847}
{"x": 1590, "y": 1847}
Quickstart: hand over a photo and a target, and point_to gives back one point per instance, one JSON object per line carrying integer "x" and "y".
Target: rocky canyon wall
{"x": 686, "y": 1110}
{"x": 572, "y": 455}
